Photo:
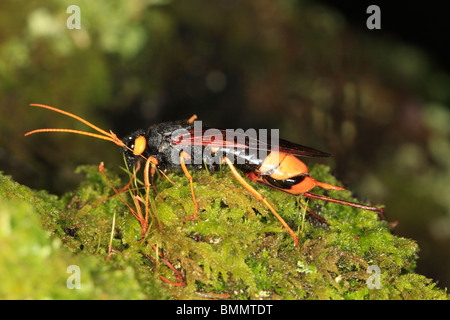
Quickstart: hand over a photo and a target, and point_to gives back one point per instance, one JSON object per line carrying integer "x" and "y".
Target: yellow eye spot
{"x": 139, "y": 145}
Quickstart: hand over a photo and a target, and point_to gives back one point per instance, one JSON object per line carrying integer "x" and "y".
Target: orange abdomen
{"x": 289, "y": 174}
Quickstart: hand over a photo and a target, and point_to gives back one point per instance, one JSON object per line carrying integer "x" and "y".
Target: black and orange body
{"x": 174, "y": 145}
{"x": 287, "y": 173}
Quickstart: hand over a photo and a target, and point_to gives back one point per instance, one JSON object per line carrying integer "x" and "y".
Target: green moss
{"x": 36, "y": 253}
{"x": 235, "y": 248}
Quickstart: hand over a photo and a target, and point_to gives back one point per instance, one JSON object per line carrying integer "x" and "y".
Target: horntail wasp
{"x": 163, "y": 147}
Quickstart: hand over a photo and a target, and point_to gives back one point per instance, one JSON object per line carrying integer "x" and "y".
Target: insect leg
{"x": 151, "y": 162}
{"x": 149, "y": 170}
{"x": 258, "y": 196}
{"x": 346, "y": 203}
{"x": 192, "y": 119}
{"x": 185, "y": 156}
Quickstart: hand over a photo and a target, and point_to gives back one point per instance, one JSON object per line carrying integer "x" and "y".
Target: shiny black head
{"x": 135, "y": 147}
{"x": 156, "y": 142}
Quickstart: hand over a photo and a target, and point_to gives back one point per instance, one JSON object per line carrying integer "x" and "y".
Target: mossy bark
{"x": 235, "y": 248}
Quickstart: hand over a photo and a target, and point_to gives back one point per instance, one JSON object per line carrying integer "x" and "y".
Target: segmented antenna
{"x": 110, "y": 136}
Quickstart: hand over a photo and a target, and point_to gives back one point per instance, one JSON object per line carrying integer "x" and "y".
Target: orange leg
{"x": 183, "y": 156}
{"x": 149, "y": 170}
{"x": 258, "y": 196}
{"x": 151, "y": 162}
{"x": 192, "y": 119}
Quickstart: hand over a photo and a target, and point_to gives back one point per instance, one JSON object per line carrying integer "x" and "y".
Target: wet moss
{"x": 235, "y": 248}
{"x": 36, "y": 257}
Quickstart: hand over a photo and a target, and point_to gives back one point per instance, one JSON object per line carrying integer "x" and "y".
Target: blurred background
{"x": 378, "y": 100}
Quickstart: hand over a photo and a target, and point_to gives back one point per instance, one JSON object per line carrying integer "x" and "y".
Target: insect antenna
{"x": 110, "y": 136}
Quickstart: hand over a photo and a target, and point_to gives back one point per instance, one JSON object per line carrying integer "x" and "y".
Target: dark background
{"x": 376, "y": 99}
{"x": 424, "y": 24}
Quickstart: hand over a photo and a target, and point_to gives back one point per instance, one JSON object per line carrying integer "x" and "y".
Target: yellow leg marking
{"x": 192, "y": 119}
{"x": 184, "y": 155}
{"x": 258, "y": 196}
